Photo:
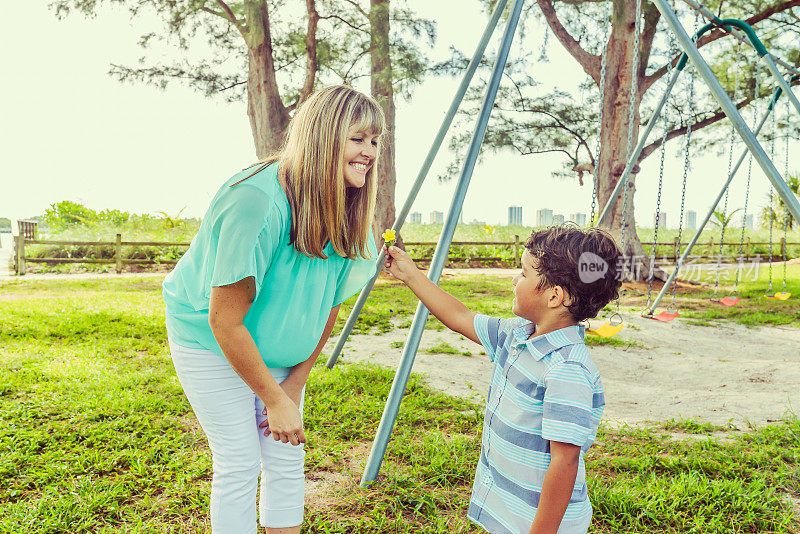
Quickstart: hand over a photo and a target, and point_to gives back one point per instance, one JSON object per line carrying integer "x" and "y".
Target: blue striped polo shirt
{"x": 542, "y": 389}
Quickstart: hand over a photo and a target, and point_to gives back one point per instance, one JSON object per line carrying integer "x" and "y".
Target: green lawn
{"x": 753, "y": 310}
{"x": 96, "y": 436}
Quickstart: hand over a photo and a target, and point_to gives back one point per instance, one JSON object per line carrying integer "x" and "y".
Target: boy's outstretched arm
{"x": 442, "y": 304}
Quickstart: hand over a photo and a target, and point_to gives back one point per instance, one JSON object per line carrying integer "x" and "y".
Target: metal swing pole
{"x": 679, "y": 263}
{"x": 782, "y": 81}
{"x": 439, "y": 257}
{"x": 763, "y": 53}
{"x": 423, "y": 173}
{"x": 728, "y": 107}
{"x": 736, "y": 33}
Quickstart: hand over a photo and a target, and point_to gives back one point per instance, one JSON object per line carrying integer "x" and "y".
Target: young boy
{"x": 545, "y": 397}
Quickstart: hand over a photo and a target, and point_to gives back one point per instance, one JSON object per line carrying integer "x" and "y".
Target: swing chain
{"x": 658, "y": 212}
{"x": 771, "y": 210}
{"x": 686, "y": 159}
{"x": 680, "y": 226}
{"x": 747, "y": 191}
{"x": 660, "y": 184}
{"x": 603, "y": 65}
{"x": 724, "y": 222}
{"x": 786, "y": 214}
{"x": 631, "y": 117}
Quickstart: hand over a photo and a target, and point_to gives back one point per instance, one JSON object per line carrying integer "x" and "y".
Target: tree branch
{"x": 355, "y": 4}
{"x": 529, "y": 152}
{"x": 311, "y": 50}
{"x": 358, "y": 58}
{"x": 681, "y": 130}
{"x": 231, "y": 86}
{"x": 228, "y": 14}
{"x": 345, "y": 21}
{"x": 589, "y": 62}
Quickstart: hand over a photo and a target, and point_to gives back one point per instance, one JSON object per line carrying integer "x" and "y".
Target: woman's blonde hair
{"x": 312, "y": 158}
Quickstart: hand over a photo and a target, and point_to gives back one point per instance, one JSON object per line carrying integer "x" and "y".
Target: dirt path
{"x": 714, "y": 374}
{"x": 711, "y": 373}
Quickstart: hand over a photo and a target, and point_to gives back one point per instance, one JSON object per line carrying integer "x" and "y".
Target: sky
{"x": 71, "y": 132}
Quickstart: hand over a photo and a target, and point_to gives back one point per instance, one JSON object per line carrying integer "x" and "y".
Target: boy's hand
{"x": 399, "y": 263}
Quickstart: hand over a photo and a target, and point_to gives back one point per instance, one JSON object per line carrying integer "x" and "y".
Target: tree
{"x": 382, "y": 90}
{"x": 776, "y": 212}
{"x": 287, "y": 48}
{"x": 531, "y": 121}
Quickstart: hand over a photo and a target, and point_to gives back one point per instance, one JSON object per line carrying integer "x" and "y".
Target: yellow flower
{"x": 389, "y": 237}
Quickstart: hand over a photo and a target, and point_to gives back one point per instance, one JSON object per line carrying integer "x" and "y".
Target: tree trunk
{"x": 268, "y": 116}
{"x": 383, "y": 92}
{"x": 617, "y": 98}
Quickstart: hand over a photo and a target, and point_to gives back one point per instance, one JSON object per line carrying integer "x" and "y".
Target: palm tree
{"x": 723, "y": 221}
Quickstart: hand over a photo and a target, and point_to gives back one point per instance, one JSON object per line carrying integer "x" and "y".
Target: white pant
{"x": 230, "y": 413}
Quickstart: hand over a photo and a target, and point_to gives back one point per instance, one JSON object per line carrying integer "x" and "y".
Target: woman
{"x": 254, "y": 299}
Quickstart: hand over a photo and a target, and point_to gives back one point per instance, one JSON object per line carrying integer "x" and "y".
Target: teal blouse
{"x": 245, "y": 232}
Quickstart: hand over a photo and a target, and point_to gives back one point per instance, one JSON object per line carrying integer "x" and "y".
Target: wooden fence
{"x": 21, "y": 259}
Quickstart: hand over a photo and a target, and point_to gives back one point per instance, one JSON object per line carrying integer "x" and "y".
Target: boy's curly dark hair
{"x": 559, "y": 251}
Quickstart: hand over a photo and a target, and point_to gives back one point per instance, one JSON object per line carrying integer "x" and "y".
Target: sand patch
{"x": 714, "y": 374}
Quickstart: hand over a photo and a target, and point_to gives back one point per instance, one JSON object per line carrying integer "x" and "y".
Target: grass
{"x": 96, "y": 436}
{"x": 444, "y": 347}
{"x": 753, "y": 310}
{"x": 690, "y": 426}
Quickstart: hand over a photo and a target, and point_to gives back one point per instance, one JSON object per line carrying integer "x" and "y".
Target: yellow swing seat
{"x": 610, "y": 328}
{"x": 783, "y": 295}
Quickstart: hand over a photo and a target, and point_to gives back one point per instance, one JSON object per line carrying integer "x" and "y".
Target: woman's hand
{"x": 399, "y": 263}
{"x": 295, "y": 394}
{"x": 284, "y": 421}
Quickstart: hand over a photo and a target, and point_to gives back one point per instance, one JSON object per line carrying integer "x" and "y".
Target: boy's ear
{"x": 558, "y": 297}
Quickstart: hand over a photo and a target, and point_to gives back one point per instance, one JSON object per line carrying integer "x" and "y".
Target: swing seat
{"x": 784, "y": 295}
{"x": 610, "y": 328}
{"x": 729, "y": 301}
{"x": 607, "y": 330}
{"x": 665, "y": 316}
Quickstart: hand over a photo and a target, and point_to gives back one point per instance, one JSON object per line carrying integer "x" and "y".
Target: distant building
{"x": 660, "y": 218}
{"x": 558, "y": 219}
{"x": 578, "y": 218}
{"x": 691, "y": 220}
{"x": 544, "y": 217}
{"x": 515, "y": 215}
{"x": 437, "y": 217}
{"x": 415, "y": 217}
{"x": 748, "y": 222}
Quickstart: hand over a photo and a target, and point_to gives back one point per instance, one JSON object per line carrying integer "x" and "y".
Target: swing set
{"x": 615, "y": 324}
